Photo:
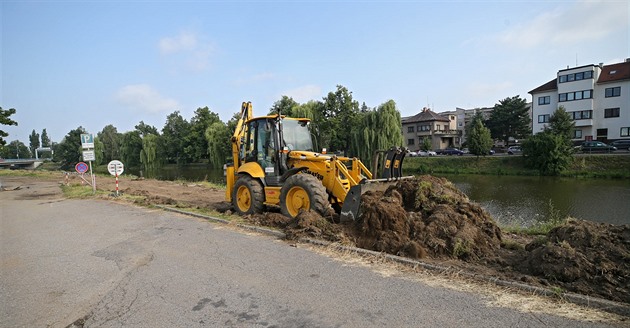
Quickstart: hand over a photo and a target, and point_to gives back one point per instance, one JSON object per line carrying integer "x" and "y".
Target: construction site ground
{"x": 428, "y": 219}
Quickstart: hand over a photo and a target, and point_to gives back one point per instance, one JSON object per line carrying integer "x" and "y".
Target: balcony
{"x": 587, "y": 122}
{"x": 441, "y": 133}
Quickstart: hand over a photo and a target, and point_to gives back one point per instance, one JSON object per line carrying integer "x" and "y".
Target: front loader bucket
{"x": 352, "y": 203}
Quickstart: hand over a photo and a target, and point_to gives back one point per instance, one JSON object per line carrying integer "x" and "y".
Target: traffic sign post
{"x": 87, "y": 143}
{"x": 115, "y": 168}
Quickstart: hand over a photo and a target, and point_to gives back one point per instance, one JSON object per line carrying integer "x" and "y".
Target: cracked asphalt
{"x": 89, "y": 263}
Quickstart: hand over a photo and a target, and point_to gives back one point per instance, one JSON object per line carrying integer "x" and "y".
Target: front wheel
{"x": 248, "y": 196}
{"x": 303, "y": 191}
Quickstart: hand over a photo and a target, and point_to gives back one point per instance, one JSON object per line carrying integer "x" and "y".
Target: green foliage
{"x": 376, "y": 130}
{"x": 33, "y": 143}
{"x": 339, "y": 116}
{"x": 45, "y": 139}
{"x": 196, "y": 144}
{"x": 145, "y": 129}
{"x": 174, "y": 134}
{"x": 130, "y": 148}
{"x": 68, "y": 151}
{"x": 479, "y": 140}
{"x": 219, "y": 147}
{"x": 5, "y": 120}
{"x": 426, "y": 144}
{"x": 547, "y": 152}
{"x": 551, "y": 151}
{"x": 285, "y": 106}
{"x": 15, "y": 149}
{"x": 149, "y": 155}
{"x": 110, "y": 138}
{"x": 99, "y": 150}
{"x": 510, "y": 119}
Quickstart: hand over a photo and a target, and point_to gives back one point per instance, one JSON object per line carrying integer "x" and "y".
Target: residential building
{"x": 440, "y": 129}
{"x": 597, "y": 97}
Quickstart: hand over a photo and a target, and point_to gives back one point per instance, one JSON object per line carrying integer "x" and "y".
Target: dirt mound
{"x": 585, "y": 257}
{"x": 426, "y": 216}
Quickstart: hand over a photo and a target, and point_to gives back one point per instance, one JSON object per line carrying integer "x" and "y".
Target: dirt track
{"x": 429, "y": 218}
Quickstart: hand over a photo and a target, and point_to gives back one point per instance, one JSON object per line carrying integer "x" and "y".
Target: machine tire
{"x": 303, "y": 191}
{"x": 248, "y": 196}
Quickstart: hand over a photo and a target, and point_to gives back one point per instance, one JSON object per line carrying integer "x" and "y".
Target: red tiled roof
{"x": 551, "y": 85}
{"x": 425, "y": 116}
{"x": 615, "y": 72}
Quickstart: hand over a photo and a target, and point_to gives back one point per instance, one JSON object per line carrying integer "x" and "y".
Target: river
{"x": 511, "y": 200}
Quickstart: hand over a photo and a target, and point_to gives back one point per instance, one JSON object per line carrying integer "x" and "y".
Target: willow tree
{"x": 378, "y": 129}
{"x": 218, "y": 138}
{"x": 148, "y": 154}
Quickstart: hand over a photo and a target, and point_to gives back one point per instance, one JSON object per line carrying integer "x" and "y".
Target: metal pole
{"x": 93, "y": 179}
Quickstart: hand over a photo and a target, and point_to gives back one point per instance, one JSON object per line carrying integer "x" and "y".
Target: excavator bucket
{"x": 391, "y": 173}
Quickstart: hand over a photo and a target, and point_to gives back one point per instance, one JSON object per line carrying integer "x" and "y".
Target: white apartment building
{"x": 596, "y": 96}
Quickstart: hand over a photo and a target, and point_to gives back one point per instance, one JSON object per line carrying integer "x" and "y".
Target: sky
{"x": 66, "y": 64}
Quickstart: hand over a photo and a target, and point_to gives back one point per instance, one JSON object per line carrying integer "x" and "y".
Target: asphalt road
{"x": 103, "y": 264}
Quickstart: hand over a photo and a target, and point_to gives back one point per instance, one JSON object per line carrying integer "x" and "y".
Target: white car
{"x": 427, "y": 153}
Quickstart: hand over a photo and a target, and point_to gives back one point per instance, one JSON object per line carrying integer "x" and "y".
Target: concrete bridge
{"x": 26, "y": 163}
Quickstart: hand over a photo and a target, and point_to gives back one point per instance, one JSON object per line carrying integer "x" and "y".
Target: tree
{"x": 340, "y": 115}
{"x": 110, "y": 138}
{"x": 99, "y": 152}
{"x": 285, "y": 106}
{"x": 479, "y": 140}
{"x": 33, "y": 143}
{"x": 510, "y": 119}
{"x": 130, "y": 148}
{"x": 426, "y": 144}
{"x": 196, "y": 142}
{"x": 149, "y": 155}
{"x": 551, "y": 151}
{"x": 174, "y": 134}
{"x": 146, "y": 129}
{"x": 378, "y": 129}
{"x": 68, "y": 151}
{"x": 5, "y": 120}
{"x": 15, "y": 149}
{"x": 45, "y": 139}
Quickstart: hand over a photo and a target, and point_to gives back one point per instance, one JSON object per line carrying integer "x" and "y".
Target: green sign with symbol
{"x": 87, "y": 140}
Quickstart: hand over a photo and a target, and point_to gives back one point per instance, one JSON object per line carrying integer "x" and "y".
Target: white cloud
{"x": 185, "y": 41}
{"x": 144, "y": 98}
{"x": 187, "y": 49}
{"x": 582, "y": 22}
{"x": 304, "y": 93}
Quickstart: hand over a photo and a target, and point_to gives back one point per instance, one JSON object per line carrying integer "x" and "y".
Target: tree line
{"x": 342, "y": 126}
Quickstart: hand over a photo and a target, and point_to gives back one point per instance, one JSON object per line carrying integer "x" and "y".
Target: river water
{"x": 511, "y": 200}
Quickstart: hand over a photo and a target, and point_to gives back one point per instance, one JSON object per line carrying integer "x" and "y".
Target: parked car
{"x": 514, "y": 150}
{"x": 621, "y": 144}
{"x": 596, "y": 146}
{"x": 423, "y": 153}
{"x": 452, "y": 151}
{"x": 412, "y": 154}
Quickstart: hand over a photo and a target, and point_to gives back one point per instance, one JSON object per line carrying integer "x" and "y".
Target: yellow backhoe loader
{"x": 274, "y": 163}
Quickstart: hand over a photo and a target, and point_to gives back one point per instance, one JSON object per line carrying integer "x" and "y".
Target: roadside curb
{"x": 588, "y": 301}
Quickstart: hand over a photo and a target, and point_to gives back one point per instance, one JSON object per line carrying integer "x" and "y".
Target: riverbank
{"x": 608, "y": 166}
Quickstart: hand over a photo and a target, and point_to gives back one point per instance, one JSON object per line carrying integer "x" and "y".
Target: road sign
{"x": 115, "y": 167}
{"x": 88, "y": 155}
{"x": 87, "y": 140}
{"x": 81, "y": 167}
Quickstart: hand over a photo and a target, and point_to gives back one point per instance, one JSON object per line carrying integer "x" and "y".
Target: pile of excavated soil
{"x": 582, "y": 256}
{"x": 428, "y": 217}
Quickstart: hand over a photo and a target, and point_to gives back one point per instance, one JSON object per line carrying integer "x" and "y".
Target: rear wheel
{"x": 303, "y": 191}
{"x": 248, "y": 196}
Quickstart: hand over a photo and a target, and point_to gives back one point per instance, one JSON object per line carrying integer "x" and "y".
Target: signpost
{"x": 87, "y": 143}
{"x": 116, "y": 168}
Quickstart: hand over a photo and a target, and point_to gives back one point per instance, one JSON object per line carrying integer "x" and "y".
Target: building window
{"x": 581, "y": 115}
{"x": 602, "y": 133}
{"x": 543, "y": 118}
{"x": 546, "y": 100}
{"x": 611, "y": 112}
{"x": 425, "y": 128}
{"x": 577, "y": 134}
{"x": 577, "y": 95}
{"x": 613, "y": 92}
{"x": 575, "y": 76}
{"x": 410, "y": 129}
{"x": 410, "y": 142}
{"x": 625, "y": 132}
